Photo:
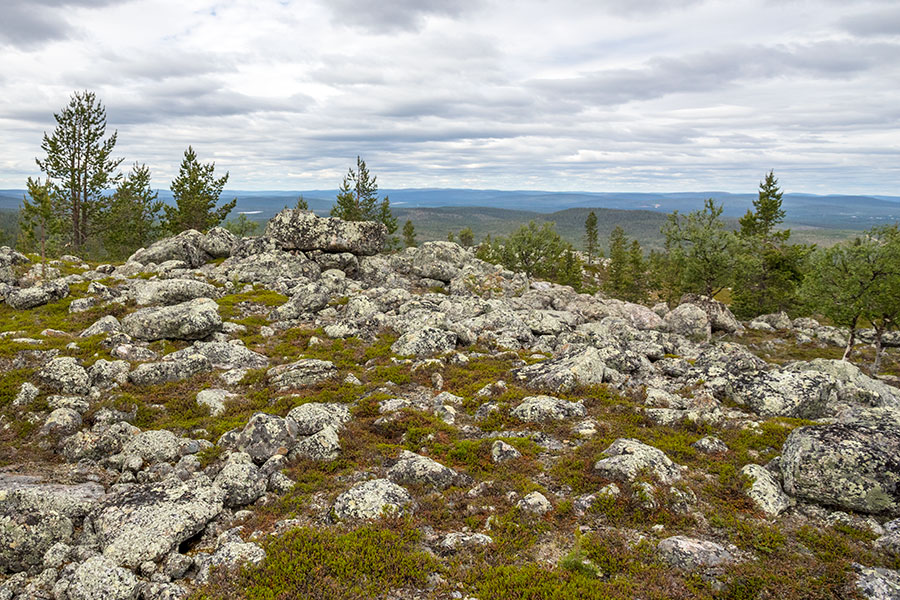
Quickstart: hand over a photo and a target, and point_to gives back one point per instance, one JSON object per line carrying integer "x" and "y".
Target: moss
{"x": 323, "y": 564}
{"x": 229, "y": 305}
{"x": 210, "y": 455}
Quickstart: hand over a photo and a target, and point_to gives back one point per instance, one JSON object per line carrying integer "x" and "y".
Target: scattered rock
{"x": 371, "y": 499}
{"x": 765, "y": 491}
{"x": 547, "y": 408}
{"x": 625, "y": 458}
{"x": 191, "y": 320}
{"x": 690, "y": 554}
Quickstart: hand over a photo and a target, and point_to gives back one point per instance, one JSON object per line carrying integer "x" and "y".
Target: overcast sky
{"x": 590, "y": 95}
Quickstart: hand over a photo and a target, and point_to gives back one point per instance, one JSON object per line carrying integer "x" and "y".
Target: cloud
{"x": 30, "y": 23}
{"x": 874, "y": 23}
{"x": 396, "y": 15}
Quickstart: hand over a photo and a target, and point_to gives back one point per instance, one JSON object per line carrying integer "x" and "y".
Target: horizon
{"x": 657, "y": 96}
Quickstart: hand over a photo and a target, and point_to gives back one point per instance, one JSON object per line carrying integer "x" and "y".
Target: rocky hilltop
{"x": 299, "y": 415}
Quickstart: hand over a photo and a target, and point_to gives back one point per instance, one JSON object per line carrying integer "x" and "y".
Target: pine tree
{"x": 617, "y": 270}
{"x": 301, "y": 204}
{"x": 466, "y": 237}
{"x": 590, "y": 236}
{"x": 409, "y": 234}
{"x": 768, "y": 269}
{"x": 132, "y": 219}
{"x": 196, "y": 191}
{"x": 570, "y": 272}
{"x": 79, "y": 166}
{"x": 358, "y": 196}
{"x": 39, "y": 217}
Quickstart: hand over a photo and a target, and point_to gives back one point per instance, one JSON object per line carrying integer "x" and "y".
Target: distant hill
{"x": 435, "y": 212}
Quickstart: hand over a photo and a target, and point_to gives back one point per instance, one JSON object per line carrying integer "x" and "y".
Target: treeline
{"x": 755, "y": 268}
{"x": 85, "y": 205}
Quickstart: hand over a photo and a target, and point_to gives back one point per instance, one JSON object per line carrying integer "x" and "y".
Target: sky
{"x": 561, "y": 95}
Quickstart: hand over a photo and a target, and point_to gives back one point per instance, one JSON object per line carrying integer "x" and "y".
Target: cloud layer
{"x": 650, "y": 95}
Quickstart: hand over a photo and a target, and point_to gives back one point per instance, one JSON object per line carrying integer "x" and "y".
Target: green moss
{"x": 317, "y": 564}
{"x": 228, "y": 305}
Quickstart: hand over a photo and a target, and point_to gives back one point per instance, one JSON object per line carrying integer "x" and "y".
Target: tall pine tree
{"x": 196, "y": 191}
{"x": 79, "y": 166}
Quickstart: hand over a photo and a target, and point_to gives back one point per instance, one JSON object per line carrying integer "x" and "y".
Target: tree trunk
{"x": 851, "y": 340}
{"x": 879, "y": 350}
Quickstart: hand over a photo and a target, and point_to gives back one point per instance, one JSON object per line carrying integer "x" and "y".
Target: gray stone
{"x": 170, "y": 370}
{"x": 456, "y": 541}
{"x": 264, "y": 436}
{"x": 172, "y": 291}
{"x": 424, "y": 342}
{"x": 710, "y": 445}
{"x": 876, "y": 583}
{"x": 65, "y": 375}
{"x": 765, "y": 491}
{"x": 313, "y": 417}
{"x": 38, "y": 295}
{"x": 852, "y": 466}
{"x": 241, "y": 480}
{"x": 412, "y": 468}
{"x": 159, "y": 445}
{"x": 565, "y": 373}
{"x": 229, "y": 555}
{"x": 720, "y": 317}
{"x": 690, "y": 554}
{"x": 224, "y": 355}
{"x": 215, "y": 400}
{"x": 535, "y": 503}
{"x": 304, "y": 373}
{"x": 105, "y": 373}
{"x": 146, "y": 522}
{"x": 322, "y": 445}
{"x": 502, "y": 452}
{"x": 306, "y": 298}
{"x": 183, "y": 247}
{"x": 191, "y": 320}
{"x": 538, "y": 409}
{"x": 99, "y": 578}
{"x": 26, "y": 534}
{"x": 303, "y": 230}
{"x": 371, "y": 499}
{"x": 804, "y": 395}
{"x": 61, "y": 422}
{"x": 625, "y": 458}
{"x": 689, "y": 320}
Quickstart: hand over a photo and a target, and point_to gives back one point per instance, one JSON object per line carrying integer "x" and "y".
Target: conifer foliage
{"x": 196, "y": 191}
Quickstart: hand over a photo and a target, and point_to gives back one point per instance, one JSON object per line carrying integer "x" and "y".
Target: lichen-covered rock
{"x": 99, "y": 578}
{"x": 172, "y": 291}
{"x": 306, "y": 298}
{"x": 313, "y": 417}
{"x": 370, "y": 500}
{"x": 625, "y": 458}
{"x": 537, "y": 409}
{"x": 325, "y": 444}
{"x": 146, "y": 522}
{"x": 108, "y": 373}
{"x": 65, "y": 375}
{"x": 38, "y": 295}
{"x": 804, "y": 395}
{"x": 223, "y": 355}
{"x": 28, "y": 493}
{"x": 230, "y": 554}
{"x": 876, "y": 583}
{"x": 424, "y": 342}
{"x": 218, "y": 242}
{"x": 765, "y": 491}
{"x": 304, "y": 373}
{"x": 187, "y": 246}
{"x": 265, "y": 436}
{"x": 456, "y": 541}
{"x": 412, "y": 468}
{"x": 535, "y": 503}
{"x": 303, "y": 230}
{"x": 852, "y": 466}
{"x": 159, "y": 445}
{"x": 25, "y": 535}
{"x": 191, "y": 320}
{"x": 854, "y": 386}
{"x": 269, "y": 267}
{"x": 103, "y": 325}
{"x": 61, "y": 422}
{"x": 690, "y": 554}
{"x": 720, "y": 317}
{"x": 710, "y": 445}
{"x": 689, "y": 320}
{"x": 565, "y": 373}
{"x": 214, "y": 399}
{"x": 439, "y": 260}
{"x": 170, "y": 370}
{"x": 502, "y": 452}
{"x": 242, "y": 481}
